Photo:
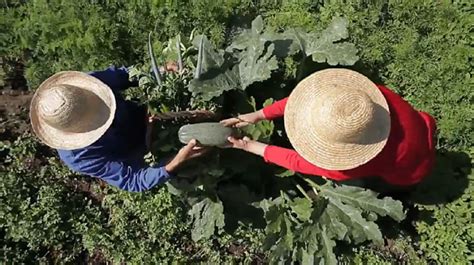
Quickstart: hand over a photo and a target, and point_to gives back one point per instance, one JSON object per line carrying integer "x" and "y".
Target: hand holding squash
{"x": 248, "y": 145}
{"x": 244, "y": 119}
{"x": 189, "y": 151}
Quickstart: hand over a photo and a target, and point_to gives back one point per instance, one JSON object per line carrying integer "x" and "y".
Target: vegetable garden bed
{"x": 235, "y": 61}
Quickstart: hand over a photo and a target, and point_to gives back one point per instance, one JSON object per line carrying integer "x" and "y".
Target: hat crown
{"x": 337, "y": 119}
{"x": 344, "y": 116}
{"x": 67, "y": 107}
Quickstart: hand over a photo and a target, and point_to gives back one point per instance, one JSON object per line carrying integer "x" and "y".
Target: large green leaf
{"x": 345, "y": 207}
{"x": 359, "y": 229}
{"x": 257, "y": 65}
{"x": 257, "y": 36}
{"x": 327, "y": 245}
{"x": 302, "y": 238}
{"x": 366, "y": 200}
{"x": 302, "y": 208}
{"x": 252, "y": 56}
{"x": 335, "y": 227}
{"x": 222, "y": 80}
{"x": 334, "y": 54}
{"x": 217, "y": 76}
{"x": 256, "y": 53}
{"x": 310, "y": 237}
{"x": 336, "y": 31}
{"x": 241, "y": 41}
{"x": 207, "y": 216}
{"x": 212, "y": 58}
{"x": 306, "y": 229}
{"x": 275, "y": 217}
{"x": 326, "y": 46}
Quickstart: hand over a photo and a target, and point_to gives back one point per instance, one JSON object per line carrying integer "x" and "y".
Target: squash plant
{"x": 229, "y": 186}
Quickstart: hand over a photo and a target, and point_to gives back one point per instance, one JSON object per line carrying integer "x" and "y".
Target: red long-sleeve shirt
{"x": 407, "y": 157}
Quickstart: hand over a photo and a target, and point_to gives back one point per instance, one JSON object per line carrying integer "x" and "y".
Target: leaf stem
{"x": 156, "y": 72}
{"x": 180, "y": 59}
{"x": 313, "y": 185}
{"x": 303, "y": 192}
{"x": 197, "y": 74}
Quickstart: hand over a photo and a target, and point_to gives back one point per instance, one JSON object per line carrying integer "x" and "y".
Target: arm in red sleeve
{"x": 290, "y": 159}
{"x": 275, "y": 110}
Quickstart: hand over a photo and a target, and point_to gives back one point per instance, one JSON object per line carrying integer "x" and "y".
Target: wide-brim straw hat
{"x": 337, "y": 119}
{"x": 71, "y": 110}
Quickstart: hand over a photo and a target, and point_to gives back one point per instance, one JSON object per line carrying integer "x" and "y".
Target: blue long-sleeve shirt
{"x": 117, "y": 157}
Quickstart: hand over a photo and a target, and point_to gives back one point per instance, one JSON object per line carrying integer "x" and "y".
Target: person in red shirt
{"x": 345, "y": 127}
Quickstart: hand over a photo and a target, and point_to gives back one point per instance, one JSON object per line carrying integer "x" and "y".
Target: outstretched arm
{"x": 290, "y": 159}
{"x": 271, "y": 112}
{"x": 284, "y": 157}
{"x": 125, "y": 176}
{"x": 129, "y": 176}
{"x": 276, "y": 110}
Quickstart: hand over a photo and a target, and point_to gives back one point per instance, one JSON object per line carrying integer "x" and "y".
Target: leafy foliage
{"x": 38, "y": 212}
{"x": 338, "y": 215}
{"x": 325, "y": 47}
{"x": 49, "y": 214}
{"x": 171, "y": 92}
{"x": 446, "y": 230}
{"x": 220, "y": 80}
{"x": 421, "y": 49}
{"x": 206, "y": 217}
{"x": 86, "y": 35}
{"x": 306, "y": 229}
{"x": 253, "y": 55}
{"x": 256, "y": 53}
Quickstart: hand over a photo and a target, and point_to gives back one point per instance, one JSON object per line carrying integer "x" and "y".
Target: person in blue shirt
{"x": 97, "y": 132}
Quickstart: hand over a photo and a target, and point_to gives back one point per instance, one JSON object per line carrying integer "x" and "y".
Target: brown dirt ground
{"x": 13, "y": 113}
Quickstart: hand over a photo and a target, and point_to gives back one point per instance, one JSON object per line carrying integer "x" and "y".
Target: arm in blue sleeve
{"x": 126, "y": 177}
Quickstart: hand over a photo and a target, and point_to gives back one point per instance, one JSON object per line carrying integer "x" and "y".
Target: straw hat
{"x": 71, "y": 110}
{"x": 337, "y": 119}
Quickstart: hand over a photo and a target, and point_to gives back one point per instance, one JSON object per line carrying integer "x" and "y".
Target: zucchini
{"x": 207, "y": 133}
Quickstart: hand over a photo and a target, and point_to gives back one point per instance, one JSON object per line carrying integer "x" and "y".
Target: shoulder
{"x": 397, "y": 104}
{"x": 115, "y": 77}
{"x": 388, "y": 93}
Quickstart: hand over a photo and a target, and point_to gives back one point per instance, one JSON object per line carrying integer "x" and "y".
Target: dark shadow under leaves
{"x": 448, "y": 180}
{"x": 446, "y": 183}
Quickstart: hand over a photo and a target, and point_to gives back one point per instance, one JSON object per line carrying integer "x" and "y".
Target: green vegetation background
{"x": 421, "y": 49}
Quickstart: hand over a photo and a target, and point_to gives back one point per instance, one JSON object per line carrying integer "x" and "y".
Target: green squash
{"x": 207, "y": 133}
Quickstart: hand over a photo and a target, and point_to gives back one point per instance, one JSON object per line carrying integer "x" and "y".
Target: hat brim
{"x": 59, "y": 139}
{"x": 315, "y": 148}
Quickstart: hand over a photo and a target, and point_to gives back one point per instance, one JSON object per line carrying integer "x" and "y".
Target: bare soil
{"x": 13, "y": 113}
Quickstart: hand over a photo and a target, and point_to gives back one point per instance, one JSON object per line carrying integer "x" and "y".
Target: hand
{"x": 150, "y": 119}
{"x": 186, "y": 153}
{"x": 239, "y": 143}
{"x": 170, "y": 67}
{"x": 244, "y": 120}
{"x": 248, "y": 145}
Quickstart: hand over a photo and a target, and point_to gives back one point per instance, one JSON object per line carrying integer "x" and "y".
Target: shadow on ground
{"x": 447, "y": 182}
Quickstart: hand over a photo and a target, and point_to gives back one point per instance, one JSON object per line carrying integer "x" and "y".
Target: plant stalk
{"x": 303, "y": 192}
{"x": 197, "y": 74}
{"x": 154, "y": 67}
{"x": 312, "y": 184}
{"x": 180, "y": 59}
